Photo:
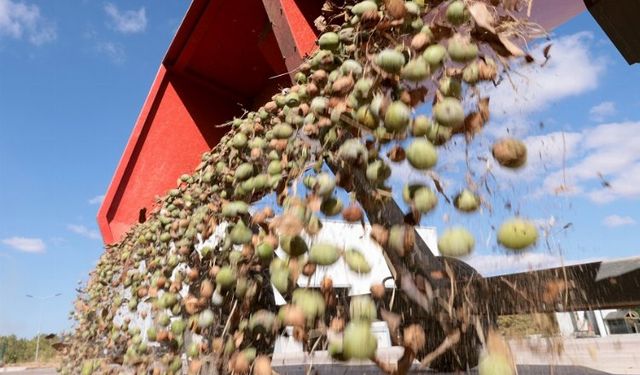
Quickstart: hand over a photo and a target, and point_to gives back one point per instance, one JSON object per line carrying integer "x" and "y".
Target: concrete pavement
{"x": 24, "y": 371}
{"x": 343, "y": 370}
{"x": 616, "y": 354}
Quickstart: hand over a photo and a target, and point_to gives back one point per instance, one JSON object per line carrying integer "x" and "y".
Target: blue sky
{"x": 74, "y": 75}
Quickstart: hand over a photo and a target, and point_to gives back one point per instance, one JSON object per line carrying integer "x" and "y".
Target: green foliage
{"x": 528, "y": 324}
{"x": 19, "y": 350}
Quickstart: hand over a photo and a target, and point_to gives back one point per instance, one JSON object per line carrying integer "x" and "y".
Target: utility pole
{"x": 40, "y": 299}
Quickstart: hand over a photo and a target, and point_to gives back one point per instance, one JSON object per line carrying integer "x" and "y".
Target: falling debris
{"x": 192, "y": 284}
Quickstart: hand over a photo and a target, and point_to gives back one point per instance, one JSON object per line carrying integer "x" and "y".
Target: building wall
{"x": 577, "y": 323}
{"x": 565, "y": 324}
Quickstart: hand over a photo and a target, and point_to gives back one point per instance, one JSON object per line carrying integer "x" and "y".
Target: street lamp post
{"x": 40, "y": 299}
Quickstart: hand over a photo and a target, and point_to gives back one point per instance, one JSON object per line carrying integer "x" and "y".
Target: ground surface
{"x": 618, "y": 354}
{"x": 41, "y": 371}
{"x": 522, "y": 370}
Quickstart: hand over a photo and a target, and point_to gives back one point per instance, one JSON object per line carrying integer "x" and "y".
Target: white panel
{"x": 430, "y": 237}
{"x": 346, "y": 236}
{"x": 565, "y": 324}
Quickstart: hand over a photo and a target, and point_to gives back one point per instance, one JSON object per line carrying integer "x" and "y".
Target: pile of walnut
{"x": 210, "y": 304}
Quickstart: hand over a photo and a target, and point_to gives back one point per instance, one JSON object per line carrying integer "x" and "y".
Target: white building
{"x": 583, "y": 323}
{"x": 346, "y": 235}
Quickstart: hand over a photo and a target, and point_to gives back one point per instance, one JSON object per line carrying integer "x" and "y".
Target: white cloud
{"x": 544, "y": 152}
{"x": 617, "y": 221}
{"x": 500, "y": 264}
{"x": 517, "y": 125}
{"x": 57, "y": 241}
{"x": 84, "y": 231}
{"x": 402, "y": 173}
{"x": 605, "y": 165}
{"x": 26, "y": 244}
{"x": 128, "y": 21}
{"x": 114, "y": 51}
{"x": 97, "y": 199}
{"x": 601, "y": 111}
{"x": 19, "y": 19}
{"x": 571, "y": 71}
{"x": 489, "y": 265}
{"x": 624, "y": 185}
{"x": 549, "y": 150}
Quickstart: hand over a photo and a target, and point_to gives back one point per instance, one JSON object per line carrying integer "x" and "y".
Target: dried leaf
{"x": 290, "y": 225}
{"x": 352, "y": 213}
{"x": 379, "y": 234}
{"x": 314, "y": 202}
{"x": 545, "y": 53}
{"x": 510, "y": 4}
{"x": 405, "y": 362}
{"x": 195, "y": 366}
{"x": 487, "y": 71}
{"x": 369, "y": 19}
{"x": 320, "y": 23}
{"x": 393, "y": 321}
{"x": 553, "y": 289}
{"x": 496, "y": 42}
{"x": 441, "y": 32}
{"x": 395, "y": 8}
{"x": 603, "y": 181}
{"x": 482, "y": 16}
{"x": 436, "y": 181}
{"x": 510, "y": 46}
{"x": 261, "y": 217}
{"x": 449, "y": 341}
{"x": 342, "y": 86}
{"x": 483, "y": 108}
{"x": 417, "y": 95}
{"x": 454, "y": 71}
{"x": 420, "y": 41}
{"x": 295, "y": 267}
{"x": 384, "y": 193}
{"x": 473, "y": 124}
{"x": 396, "y": 154}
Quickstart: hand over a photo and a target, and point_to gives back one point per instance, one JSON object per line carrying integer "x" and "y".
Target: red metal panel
{"x": 292, "y": 23}
{"x": 175, "y": 127}
{"x": 223, "y": 59}
{"x": 300, "y": 15}
{"x": 183, "y": 35}
{"x": 134, "y": 139}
